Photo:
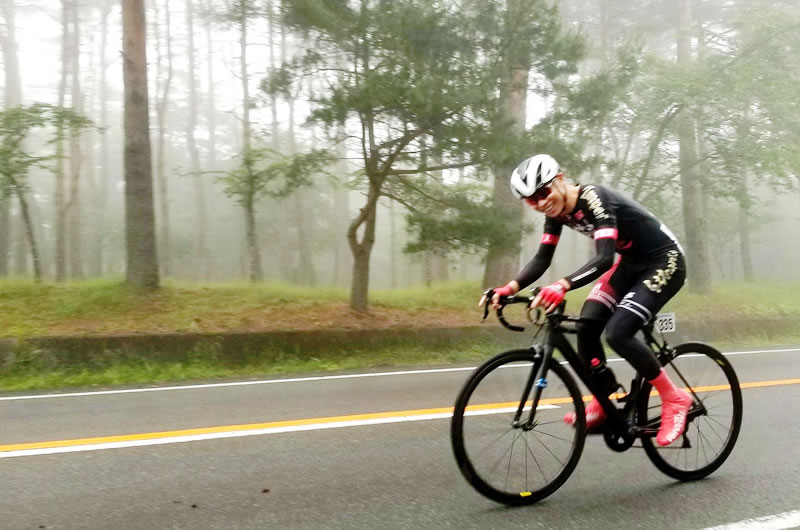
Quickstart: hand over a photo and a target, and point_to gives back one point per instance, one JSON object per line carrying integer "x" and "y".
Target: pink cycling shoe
{"x": 595, "y": 415}
{"x": 675, "y": 405}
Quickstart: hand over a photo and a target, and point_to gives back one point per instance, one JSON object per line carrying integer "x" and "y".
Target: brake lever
{"x": 489, "y": 293}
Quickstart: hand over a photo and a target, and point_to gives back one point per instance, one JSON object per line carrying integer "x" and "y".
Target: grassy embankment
{"x": 108, "y": 307}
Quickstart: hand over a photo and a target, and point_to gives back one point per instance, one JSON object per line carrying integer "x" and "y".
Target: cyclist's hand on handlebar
{"x": 507, "y": 290}
{"x": 549, "y": 297}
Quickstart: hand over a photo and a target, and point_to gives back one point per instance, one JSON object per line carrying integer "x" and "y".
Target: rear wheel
{"x": 715, "y": 416}
{"x": 500, "y": 458}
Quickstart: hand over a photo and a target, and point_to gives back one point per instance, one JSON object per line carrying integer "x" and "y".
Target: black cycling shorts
{"x": 641, "y": 288}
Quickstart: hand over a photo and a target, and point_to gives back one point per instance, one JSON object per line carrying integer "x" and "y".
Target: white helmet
{"x": 532, "y": 174}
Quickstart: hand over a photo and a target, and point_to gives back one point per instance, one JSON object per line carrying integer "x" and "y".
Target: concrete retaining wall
{"x": 53, "y": 351}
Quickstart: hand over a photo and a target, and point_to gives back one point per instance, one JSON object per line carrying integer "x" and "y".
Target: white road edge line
{"x": 253, "y": 432}
{"x": 769, "y": 522}
{"x": 297, "y": 380}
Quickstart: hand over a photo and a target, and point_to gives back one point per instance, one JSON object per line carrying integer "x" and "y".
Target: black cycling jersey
{"x": 616, "y": 223}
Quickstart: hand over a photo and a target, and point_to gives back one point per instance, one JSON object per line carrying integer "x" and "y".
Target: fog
{"x": 302, "y": 234}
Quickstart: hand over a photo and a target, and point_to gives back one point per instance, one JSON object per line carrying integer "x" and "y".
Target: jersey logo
{"x": 594, "y": 203}
{"x": 662, "y": 276}
{"x": 623, "y": 244}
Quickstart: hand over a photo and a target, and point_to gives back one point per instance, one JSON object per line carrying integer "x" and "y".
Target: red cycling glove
{"x": 553, "y": 294}
{"x": 504, "y": 291}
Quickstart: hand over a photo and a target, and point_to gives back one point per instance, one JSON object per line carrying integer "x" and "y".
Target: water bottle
{"x": 603, "y": 376}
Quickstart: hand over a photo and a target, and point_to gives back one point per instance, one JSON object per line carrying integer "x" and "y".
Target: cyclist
{"x": 650, "y": 271}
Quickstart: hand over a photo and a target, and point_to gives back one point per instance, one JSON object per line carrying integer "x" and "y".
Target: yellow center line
{"x": 322, "y": 421}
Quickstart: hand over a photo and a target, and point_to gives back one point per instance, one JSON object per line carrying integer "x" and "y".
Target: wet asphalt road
{"x": 396, "y": 475}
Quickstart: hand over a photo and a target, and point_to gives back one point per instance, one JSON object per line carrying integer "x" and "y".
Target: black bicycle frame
{"x": 622, "y": 420}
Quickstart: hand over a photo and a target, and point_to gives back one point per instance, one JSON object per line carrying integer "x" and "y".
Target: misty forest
{"x": 368, "y": 144}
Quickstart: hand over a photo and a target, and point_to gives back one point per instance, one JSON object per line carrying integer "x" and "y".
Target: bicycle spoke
{"x": 502, "y": 456}
{"x": 536, "y": 460}
{"x": 721, "y": 439}
{"x": 726, "y": 427}
{"x": 702, "y": 442}
{"x": 554, "y": 436}
{"x": 548, "y": 450}
{"x": 510, "y": 458}
{"x": 490, "y": 444}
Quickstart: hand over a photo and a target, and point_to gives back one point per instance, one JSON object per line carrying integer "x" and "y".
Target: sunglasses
{"x": 541, "y": 193}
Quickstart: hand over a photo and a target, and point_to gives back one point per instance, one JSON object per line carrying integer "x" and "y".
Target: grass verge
{"x": 109, "y": 306}
{"x": 34, "y": 373}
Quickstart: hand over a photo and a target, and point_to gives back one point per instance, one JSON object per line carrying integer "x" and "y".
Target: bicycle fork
{"x": 537, "y": 381}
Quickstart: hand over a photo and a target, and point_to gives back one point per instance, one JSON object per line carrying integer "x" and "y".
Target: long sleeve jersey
{"x": 616, "y": 223}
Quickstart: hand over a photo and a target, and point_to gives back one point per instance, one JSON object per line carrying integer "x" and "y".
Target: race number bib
{"x": 665, "y": 322}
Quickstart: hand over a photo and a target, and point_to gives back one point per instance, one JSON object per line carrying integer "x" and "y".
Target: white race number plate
{"x": 665, "y": 322}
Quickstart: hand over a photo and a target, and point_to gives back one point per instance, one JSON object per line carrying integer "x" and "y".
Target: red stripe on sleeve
{"x": 549, "y": 239}
{"x": 606, "y": 233}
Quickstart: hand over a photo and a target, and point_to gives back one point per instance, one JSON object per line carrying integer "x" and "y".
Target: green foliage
{"x": 739, "y": 90}
{"x": 432, "y": 73}
{"x": 430, "y": 81}
{"x": 267, "y": 173}
{"x": 17, "y": 125}
{"x": 454, "y": 217}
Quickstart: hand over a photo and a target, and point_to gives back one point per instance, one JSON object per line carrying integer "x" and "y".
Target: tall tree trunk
{"x": 256, "y": 271}
{"x": 440, "y": 267}
{"x": 13, "y": 97}
{"x": 93, "y": 231}
{"x": 303, "y": 211}
{"x": 105, "y": 175}
{"x": 28, "y": 223}
{"x": 201, "y": 210}
{"x": 142, "y": 261}
{"x": 211, "y": 118}
{"x": 211, "y": 114}
{"x": 367, "y": 216}
{"x": 744, "y": 227}
{"x": 273, "y": 103}
{"x": 165, "y": 242}
{"x": 20, "y": 238}
{"x": 393, "y": 243}
{"x": 503, "y": 263}
{"x": 60, "y": 184}
{"x": 256, "y": 274}
{"x": 37, "y": 266}
{"x": 427, "y": 268}
{"x": 362, "y": 250}
{"x": 73, "y": 208}
{"x": 340, "y": 216}
{"x": 699, "y": 277}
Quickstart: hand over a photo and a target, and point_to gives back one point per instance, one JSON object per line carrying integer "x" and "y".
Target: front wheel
{"x": 502, "y": 458}
{"x": 714, "y": 419}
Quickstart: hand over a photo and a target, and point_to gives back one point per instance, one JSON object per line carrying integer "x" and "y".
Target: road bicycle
{"x": 508, "y": 433}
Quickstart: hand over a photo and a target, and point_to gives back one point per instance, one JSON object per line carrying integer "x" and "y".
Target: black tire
{"x": 711, "y": 436}
{"x": 482, "y": 426}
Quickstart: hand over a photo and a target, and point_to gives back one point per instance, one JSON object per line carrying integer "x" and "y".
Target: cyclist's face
{"x": 551, "y": 204}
